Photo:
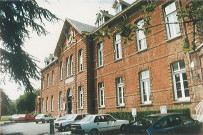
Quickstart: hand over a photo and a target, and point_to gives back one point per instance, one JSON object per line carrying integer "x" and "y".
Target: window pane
{"x": 182, "y": 65}
{"x": 175, "y": 66}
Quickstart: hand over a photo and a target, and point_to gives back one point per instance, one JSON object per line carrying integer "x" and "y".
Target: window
{"x": 43, "y": 82}
{"x": 61, "y": 70}
{"x": 100, "y": 54}
{"x": 47, "y": 103}
{"x": 52, "y": 78}
{"x": 80, "y": 89}
{"x": 71, "y": 65}
{"x": 180, "y": 82}
{"x": 173, "y": 30}
{"x": 101, "y": 94}
{"x": 42, "y": 105}
{"x": 118, "y": 48}
{"x": 118, "y": 8}
{"x": 80, "y": 60}
{"x": 120, "y": 91}
{"x": 67, "y": 67}
{"x": 145, "y": 87}
{"x": 47, "y": 80}
{"x": 60, "y": 101}
{"x": 141, "y": 39}
{"x": 52, "y": 103}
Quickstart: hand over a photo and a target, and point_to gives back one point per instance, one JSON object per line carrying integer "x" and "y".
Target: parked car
{"x": 94, "y": 124}
{"x": 164, "y": 124}
{"x": 26, "y": 117}
{"x": 14, "y": 117}
{"x": 43, "y": 118}
{"x": 64, "y": 123}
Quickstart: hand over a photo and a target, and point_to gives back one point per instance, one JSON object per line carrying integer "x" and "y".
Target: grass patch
{"x": 4, "y": 118}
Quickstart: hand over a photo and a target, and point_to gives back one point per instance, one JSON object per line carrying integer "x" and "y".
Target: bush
{"x": 128, "y": 115}
{"x": 4, "y": 118}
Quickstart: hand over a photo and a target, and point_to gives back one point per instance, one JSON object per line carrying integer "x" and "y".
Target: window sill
{"x": 146, "y": 104}
{"x": 80, "y": 108}
{"x": 140, "y": 51}
{"x": 100, "y": 67}
{"x": 79, "y": 72}
{"x": 101, "y": 107}
{"x": 182, "y": 102}
{"x": 117, "y": 60}
{"x": 171, "y": 39}
{"x": 121, "y": 106}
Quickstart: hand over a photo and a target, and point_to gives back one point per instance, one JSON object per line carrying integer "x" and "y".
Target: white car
{"x": 64, "y": 123}
{"x": 94, "y": 124}
{"x": 43, "y": 118}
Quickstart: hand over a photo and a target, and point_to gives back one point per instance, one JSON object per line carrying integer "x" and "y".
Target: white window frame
{"x": 47, "y": 104}
{"x": 120, "y": 91}
{"x": 100, "y": 54}
{"x": 170, "y": 15}
{"x": 67, "y": 67}
{"x": 141, "y": 38}
{"x": 80, "y": 94}
{"x": 101, "y": 94}
{"x": 60, "y": 101}
{"x": 118, "y": 47}
{"x": 53, "y": 78}
{"x": 61, "y": 71}
{"x": 118, "y": 8}
{"x": 71, "y": 65}
{"x": 80, "y": 60}
{"x": 145, "y": 87}
{"x": 180, "y": 71}
{"x": 52, "y": 103}
{"x": 47, "y": 80}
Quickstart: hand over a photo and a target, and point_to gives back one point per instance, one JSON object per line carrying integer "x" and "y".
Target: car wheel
{"x": 122, "y": 128}
{"x": 93, "y": 132}
{"x": 36, "y": 122}
{"x": 67, "y": 127}
{"x": 60, "y": 129}
{"x": 43, "y": 121}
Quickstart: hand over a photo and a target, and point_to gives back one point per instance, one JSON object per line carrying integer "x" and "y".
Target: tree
{"x": 26, "y": 102}
{"x": 16, "y": 19}
{"x": 7, "y": 106}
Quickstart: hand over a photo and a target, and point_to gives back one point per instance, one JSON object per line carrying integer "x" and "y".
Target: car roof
{"x": 161, "y": 115}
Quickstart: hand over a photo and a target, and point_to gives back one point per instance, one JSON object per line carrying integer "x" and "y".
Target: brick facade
{"x": 157, "y": 58}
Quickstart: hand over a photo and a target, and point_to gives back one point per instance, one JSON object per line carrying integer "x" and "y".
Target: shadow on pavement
{"x": 18, "y": 133}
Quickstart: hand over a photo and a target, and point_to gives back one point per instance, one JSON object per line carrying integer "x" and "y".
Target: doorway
{"x": 69, "y": 101}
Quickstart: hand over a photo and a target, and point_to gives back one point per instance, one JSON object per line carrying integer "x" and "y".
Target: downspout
{"x": 185, "y": 34}
{"x": 76, "y": 97}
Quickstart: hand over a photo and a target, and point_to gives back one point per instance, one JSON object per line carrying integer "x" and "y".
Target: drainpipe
{"x": 76, "y": 97}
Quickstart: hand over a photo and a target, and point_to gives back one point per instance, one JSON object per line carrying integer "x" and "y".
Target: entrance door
{"x": 69, "y": 102}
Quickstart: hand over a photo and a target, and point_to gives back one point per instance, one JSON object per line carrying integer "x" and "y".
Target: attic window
{"x": 118, "y": 8}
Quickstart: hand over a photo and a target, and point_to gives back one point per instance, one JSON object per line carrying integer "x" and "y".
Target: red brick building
{"x": 96, "y": 76}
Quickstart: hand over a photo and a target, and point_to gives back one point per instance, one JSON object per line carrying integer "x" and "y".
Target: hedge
{"x": 128, "y": 115}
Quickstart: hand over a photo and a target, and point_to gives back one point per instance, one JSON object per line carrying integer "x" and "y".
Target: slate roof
{"x": 81, "y": 27}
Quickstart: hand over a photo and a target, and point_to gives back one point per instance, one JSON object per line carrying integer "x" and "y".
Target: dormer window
{"x": 120, "y": 5}
{"x": 118, "y": 8}
{"x": 102, "y": 17}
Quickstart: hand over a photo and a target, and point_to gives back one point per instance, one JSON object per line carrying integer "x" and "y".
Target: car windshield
{"x": 146, "y": 121}
{"x": 87, "y": 118}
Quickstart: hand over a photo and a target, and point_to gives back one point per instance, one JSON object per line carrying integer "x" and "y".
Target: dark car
{"x": 164, "y": 124}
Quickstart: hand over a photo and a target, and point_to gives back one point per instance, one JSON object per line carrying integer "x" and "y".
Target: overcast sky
{"x": 40, "y": 47}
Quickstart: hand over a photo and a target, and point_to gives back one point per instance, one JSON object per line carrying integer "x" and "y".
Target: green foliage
{"x": 128, "y": 115}
{"x": 17, "y": 17}
{"x": 7, "y": 106}
{"x": 4, "y": 118}
{"x": 103, "y": 32}
{"x": 186, "y": 46}
{"x": 26, "y": 103}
